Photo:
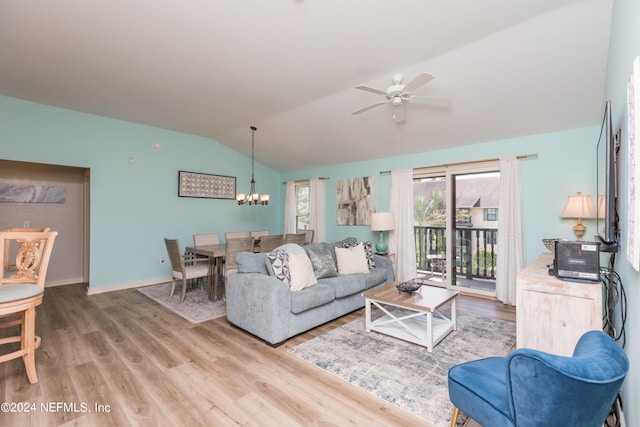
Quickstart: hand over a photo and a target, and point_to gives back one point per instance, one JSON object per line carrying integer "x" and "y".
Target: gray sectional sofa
{"x": 265, "y": 306}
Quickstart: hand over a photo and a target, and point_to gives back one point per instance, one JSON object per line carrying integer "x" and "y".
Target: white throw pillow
{"x": 352, "y": 260}
{"x": 300, "y": 267}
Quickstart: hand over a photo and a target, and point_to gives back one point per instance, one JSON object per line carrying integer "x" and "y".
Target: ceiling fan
{"x": 397, "y": 94}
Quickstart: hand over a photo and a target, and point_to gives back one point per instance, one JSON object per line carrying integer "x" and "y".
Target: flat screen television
{"x": 607, "y": 185}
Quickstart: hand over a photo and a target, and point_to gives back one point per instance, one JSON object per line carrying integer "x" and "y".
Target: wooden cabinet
{"x": 552, "y": 314}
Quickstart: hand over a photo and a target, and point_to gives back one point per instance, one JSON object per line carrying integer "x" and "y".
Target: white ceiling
{"x": 215, "y": 67}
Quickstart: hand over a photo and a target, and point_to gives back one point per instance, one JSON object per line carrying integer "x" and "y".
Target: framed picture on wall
{"x": 204, "y": 185}
{"x": 355, "y": 201}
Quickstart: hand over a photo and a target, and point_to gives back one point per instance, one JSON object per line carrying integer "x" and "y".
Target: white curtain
{"x": 401, "y": 238}
{"x": 290, "y": 207}
{"x": 317, "y": 208}
{"x": 510, "y": 248}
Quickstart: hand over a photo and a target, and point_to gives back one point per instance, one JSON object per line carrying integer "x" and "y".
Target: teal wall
{"x": 565, "y": 164}
{"x": 624, "y": 47}
{"x": 134, "y": 206}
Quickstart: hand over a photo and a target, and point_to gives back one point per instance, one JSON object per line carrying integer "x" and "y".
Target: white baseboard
{"x": 62, "y": 282}
{"x": 131, "y": 285}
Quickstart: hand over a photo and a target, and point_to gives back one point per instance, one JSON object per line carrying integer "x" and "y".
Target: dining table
{"x": 215, "y": 254}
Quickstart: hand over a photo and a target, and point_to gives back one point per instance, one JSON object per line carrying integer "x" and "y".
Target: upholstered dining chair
{"x": 232, "y": 248}
{"x": 297, "y": 238}
{"x": 184, "y": 268}
{"x": 269, "y": 243}
{"x": 533, "y": 388}
{"x": 235, "y": 234}
{"x": 308, "y": 236}
{"x": 21, "y": 291}
{"x": 206, "y": 239}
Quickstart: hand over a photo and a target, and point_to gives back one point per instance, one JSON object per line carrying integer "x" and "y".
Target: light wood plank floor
{"x": 118, "y": 358}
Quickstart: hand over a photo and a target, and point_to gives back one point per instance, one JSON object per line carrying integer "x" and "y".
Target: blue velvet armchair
{"x": 534, "y": 388}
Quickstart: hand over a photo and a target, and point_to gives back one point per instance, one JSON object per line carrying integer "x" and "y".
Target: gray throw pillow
{"x": 278, "y": 260}
{"x": 321, "y": 260}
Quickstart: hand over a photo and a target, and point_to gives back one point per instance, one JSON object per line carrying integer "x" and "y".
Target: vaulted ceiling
{"x": 289, "y": 67}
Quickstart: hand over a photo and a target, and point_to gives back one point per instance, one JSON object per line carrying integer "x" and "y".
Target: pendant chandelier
{"x": 253, "y": 198}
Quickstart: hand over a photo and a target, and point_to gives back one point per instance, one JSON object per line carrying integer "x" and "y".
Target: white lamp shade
{"x": 578, "y": 206}
{"x": 381, "y": 221}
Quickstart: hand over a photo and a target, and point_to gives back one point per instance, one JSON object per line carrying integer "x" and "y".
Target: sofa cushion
{"x": 321, "y": 260}
{"x": 368, "y": 250}
{"x": 352, "y": 260}
{"x": 299, "y": 265}
{"x": 310, "y": 297}
{"x": 345, "y": 285}
{"x": 340, "y": 244}
{"x": 374, "y": 277}
{"x": 249, "y": 262}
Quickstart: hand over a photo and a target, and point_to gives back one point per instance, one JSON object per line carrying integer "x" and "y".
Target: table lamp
{"x": 381, "y": 221}
{"x": 579, "y": 206}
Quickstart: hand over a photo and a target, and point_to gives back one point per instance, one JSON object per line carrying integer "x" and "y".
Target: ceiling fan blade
{"x": 362, "y": 110}
{"x": 372, "y": 89}
{"x": 421, "y": 79}
{"x": 430, "y": 100}
{"x": 398, "y": 112}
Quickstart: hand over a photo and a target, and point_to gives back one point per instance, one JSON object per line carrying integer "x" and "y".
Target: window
{"x": 302, "y": 205}
{"x": 491, "y": 214}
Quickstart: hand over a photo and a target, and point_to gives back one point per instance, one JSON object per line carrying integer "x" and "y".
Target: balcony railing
{"x": 475, "y": 251}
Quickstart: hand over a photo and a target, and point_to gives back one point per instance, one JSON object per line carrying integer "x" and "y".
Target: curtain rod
{"x": 302, "y": 180}
{"x": 519, "y": 157}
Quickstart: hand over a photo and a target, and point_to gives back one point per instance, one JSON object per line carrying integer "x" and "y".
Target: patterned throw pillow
{"x": 279, "y": 260}
{"x": 321, "y": 260}
{"x": 368, "y": 250}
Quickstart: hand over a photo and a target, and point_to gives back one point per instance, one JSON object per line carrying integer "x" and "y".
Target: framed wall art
{"x": 355, "y": 201}
{"x": 204, "y": 185}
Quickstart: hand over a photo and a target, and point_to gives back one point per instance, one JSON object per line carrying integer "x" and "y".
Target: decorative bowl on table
{"x": 409, "y": 286}
{"x": 550, "y": 244}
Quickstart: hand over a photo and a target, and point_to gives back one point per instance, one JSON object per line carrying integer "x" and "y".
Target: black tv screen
{"x": 607, "y": 185}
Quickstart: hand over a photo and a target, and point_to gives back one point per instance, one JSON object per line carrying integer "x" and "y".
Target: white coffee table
{"x": 419, "y": 321}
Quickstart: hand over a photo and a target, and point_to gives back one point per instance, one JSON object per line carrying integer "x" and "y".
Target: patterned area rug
{"x": 403, "y": 373}
{"x": 196, "y": 308}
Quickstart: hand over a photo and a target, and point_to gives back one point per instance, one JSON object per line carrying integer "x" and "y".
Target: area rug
{"x": 196, "y": 308}
{"x": 403, "y": 373}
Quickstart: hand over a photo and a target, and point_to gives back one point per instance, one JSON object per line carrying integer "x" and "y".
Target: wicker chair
{"x": 297, "y": 238}
{"x": 206, "y": 239}
{"x": 308, "y": 236}
{"x": 269, "y": 243}
{"x": 184, "y": 268}
{"x": 235, "y": 234}
{"x": 21, "y": 291}
{"x": 233, "y": 247}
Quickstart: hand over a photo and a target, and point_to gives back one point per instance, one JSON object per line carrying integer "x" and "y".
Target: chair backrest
{"x": 233, "y": 247}
{"x": 546, "y": 389}
{"x": 308, "y": 236}
{"x": 175, "y": 254}
{"x": 259, "y": 233}
{"x": 6, "y": 259}
{"x": 235, "y": 234}
{"x": 32, "y": 258}
{"x": 297, "y": 238}
{"x": 269, "y": 243}
{"x": 206, "y": 239}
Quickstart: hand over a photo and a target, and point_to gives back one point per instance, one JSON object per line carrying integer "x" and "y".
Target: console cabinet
{"x": 552, "y": 314}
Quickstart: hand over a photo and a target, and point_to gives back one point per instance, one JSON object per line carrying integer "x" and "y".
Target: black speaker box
{"x": 577, "y": 260}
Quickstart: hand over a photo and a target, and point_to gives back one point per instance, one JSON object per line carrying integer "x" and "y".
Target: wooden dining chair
{"x": 6, "y": 259}
{"x": 184, "y": 268}
{"x": 21, "y": 291}
{"x": 269, "y": 243}
{"x": 297, "y": 238}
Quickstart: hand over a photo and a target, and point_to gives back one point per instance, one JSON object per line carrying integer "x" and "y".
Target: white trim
{"x": 130, "y": 285}
{"x": 62, "y": 282}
